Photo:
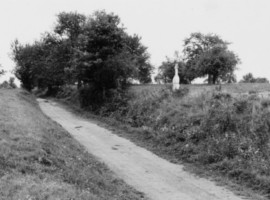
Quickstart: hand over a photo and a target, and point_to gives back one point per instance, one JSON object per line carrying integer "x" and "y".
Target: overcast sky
{"x": 162, "y": 24}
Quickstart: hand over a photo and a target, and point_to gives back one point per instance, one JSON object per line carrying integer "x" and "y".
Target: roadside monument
{"x": 176, "y": 79}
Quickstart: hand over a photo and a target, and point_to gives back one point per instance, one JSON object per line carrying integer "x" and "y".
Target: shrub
{"x": 181, "y": 92}
{"x": 265, "y": 103}
{"x": 12, "y": 82}
{"x": 252, "y": 92}
{"x": 5, "y": 85}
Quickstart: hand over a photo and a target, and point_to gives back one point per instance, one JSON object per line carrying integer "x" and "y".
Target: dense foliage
{"x": 93, "y": 52}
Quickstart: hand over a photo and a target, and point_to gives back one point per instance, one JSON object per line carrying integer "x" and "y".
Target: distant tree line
{"x": 2, "y": 72}
{"x": 7, "y": 84}
{"x": 249, "y": 78}
{"x": 93, "y": 52}
{"x": 10, "y": 84}
{"x": 203, "y": 56}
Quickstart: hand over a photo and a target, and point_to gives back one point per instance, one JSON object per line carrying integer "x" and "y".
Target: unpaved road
{"x": 148, "y": 173}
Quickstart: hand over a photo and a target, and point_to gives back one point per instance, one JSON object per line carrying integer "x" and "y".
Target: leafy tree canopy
{"x": 94, "y": 50}
{"x": 209, "y": 55}
{"x": 218, "y": 63}
{"x": 107, "y": 56}
{"x": 70, "y": 25}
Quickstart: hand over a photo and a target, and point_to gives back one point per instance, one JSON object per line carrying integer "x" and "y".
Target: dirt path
{"x": 148, "y": 173}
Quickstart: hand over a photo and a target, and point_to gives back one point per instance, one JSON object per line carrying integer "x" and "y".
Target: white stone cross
{"x": 176, "y": 79}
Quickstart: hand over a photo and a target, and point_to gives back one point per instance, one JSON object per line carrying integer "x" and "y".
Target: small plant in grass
{"x": 181, "y": 92}
{"x": 252, "y": 92}
{"x": 265, "y": 103}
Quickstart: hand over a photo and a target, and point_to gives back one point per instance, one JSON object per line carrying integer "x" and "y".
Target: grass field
{"x": 39, "y": 160}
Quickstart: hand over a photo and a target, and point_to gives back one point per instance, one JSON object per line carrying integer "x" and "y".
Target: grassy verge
{"x": 40, "y": 160}
{"x": 224, "y": 133}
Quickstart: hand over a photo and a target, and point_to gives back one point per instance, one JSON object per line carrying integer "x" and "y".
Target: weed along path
{"x": 157, "y": 178}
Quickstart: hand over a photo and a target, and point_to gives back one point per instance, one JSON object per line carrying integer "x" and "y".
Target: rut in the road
{"x": 148, "y": 173}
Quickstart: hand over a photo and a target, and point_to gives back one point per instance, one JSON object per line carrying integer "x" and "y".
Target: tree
{"x": 70, "y": 25}
{"x": 11, "y": 82}
{"x": 208, "y": 55}
{"x": 139, "y": 55}
{"x": 107, "y": 56}
{"x": 228, "y": 78}
{"x": 102, "y": 40}
{"x": 249, "y": 78}
{"x": 261, "y": 80}
{"x": 43, "y": 63}
{"x": 166, "y": 72}
{"x": 26, "y": 58}
{"x": 2, "y": 72}
{"x": 56, "y": 58}
{"x": 217, "y": 62}
{"x": 4, "y": 85}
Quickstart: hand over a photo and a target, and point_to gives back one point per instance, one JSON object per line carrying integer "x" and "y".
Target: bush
{"x": 9, "y": 84}
{"x": 265, "y": 103}
{"x": 181, "y": 92}
{"x": 5, "y": 85}
{"x": 12, "y": 82}
{"x": 102, "y": 102}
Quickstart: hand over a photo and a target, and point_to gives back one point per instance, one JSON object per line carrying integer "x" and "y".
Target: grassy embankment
{"x": 39, "y": 160}
{"x": 225, "y": 133}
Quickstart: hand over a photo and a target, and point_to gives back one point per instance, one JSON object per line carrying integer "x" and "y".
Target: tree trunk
{"x": 215, "y": 77}
{"x": 50, "y": 90}
{"x": 103, "y": 93}
{"x": 79, "y": 85}
{"x": 210, "y": 79}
